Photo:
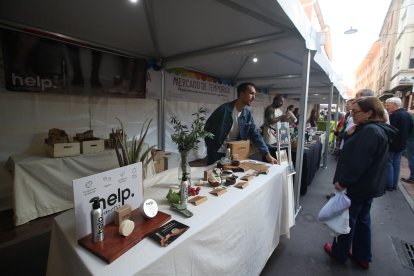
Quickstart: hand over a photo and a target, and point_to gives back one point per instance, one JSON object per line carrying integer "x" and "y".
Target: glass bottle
{"x": 184, "y": 190}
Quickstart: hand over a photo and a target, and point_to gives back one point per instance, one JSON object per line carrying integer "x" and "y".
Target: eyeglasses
{"x": 355, "y": 112}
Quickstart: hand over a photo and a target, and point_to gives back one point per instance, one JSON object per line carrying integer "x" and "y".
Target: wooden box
{"x": 63, "y": 149}
{"x": 92, "y": 146}
{"x": 240, "y": 149}
{"x": 159, "y": 160}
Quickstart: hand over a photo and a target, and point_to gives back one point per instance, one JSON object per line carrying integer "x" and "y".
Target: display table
{"x": 43, "y": 185}
{"x": 233, "y": 234}
{"x": 310, "y": 163}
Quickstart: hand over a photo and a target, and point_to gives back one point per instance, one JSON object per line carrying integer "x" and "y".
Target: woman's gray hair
{"x": 394, "y": 100}
{"x": 366, "y": 93}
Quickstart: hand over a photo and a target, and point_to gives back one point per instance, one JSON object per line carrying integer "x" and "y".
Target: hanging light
{"x": 255, "y": 59}
{"x": 351, "y": 31}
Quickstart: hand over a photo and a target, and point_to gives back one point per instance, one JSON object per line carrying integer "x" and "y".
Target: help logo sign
{"x": 114, "y": 188}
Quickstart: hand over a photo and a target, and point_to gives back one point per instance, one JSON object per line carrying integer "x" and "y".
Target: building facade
{"x": 367, "y": 73}
{"x": 402, "y": 73}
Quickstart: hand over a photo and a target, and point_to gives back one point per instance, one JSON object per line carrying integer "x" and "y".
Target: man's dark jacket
{"x": 362, "y": 163}
{"x": 220, "y": 123}
{"x": 401, "y": 120}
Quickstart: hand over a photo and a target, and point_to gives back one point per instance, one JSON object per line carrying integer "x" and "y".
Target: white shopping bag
{"x": 335, "y": 206}
{"x": 340, "y": 223}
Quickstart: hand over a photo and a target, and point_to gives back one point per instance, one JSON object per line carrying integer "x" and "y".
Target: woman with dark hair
{"x": 312, "y": 118}
{"x": 361, "y": 170}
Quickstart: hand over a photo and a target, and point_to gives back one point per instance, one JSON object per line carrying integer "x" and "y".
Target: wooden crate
{"x": 92, "y": 146}
{"x": 63, "y": 149}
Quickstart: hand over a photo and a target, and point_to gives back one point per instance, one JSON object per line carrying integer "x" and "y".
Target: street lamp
{"x": 351, "y": 31}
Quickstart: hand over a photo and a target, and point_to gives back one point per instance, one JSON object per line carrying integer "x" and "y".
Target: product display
{"x": 193, "y": 191}
{"x": 173, "y": 197}
{"x": 56, "y": 136}
{"x": 182, "y": 210}
{"x": 114, "y": 244}
{"x": 149, "y": 208}
{"x": 122, "y": 214}
{"x": 126, "y": 227}
{"x": 242, "y": 185}
{"x": 169, "y": 232}
{"x": 197, "y": 200}
{"x": 97, "y": 220}
{"x": 214, "y": 181}
{"x": 184, "y": 190}
{"x": 218, "y": 191}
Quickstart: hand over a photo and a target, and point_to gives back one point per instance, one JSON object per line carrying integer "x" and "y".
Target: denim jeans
{"x": 410, "y": 156}
{"x": 393, "y": 169}
{"x": 360, "y": 236}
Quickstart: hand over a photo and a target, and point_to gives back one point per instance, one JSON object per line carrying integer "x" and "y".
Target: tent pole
{"x": 336, "y": 117}
{"x": 161, "y": 113}
{"x": 302, "y": 127}
{"x": 328, "y": 129}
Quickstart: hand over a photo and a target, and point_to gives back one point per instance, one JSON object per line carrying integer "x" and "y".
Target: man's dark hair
{"x": 243, "y": 87}
{"x": 276, "y": 99}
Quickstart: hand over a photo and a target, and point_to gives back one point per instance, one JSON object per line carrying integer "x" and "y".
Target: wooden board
{"x": 260, "y": 168}
{"x": 245, "y": 166}
{"x": 114, "y": 245}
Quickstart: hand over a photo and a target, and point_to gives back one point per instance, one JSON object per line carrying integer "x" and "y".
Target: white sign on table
{"x": 114, "y": 188}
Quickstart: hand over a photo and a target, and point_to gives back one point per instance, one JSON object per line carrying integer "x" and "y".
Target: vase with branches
{"x": 188, "y": 139}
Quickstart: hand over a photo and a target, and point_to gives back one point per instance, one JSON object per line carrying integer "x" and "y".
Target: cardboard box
{"x": 159, "y": 160}
{"x": 63, "y": 149}
{"x": 240, "y": 149}
{"x": 92, "y": 146}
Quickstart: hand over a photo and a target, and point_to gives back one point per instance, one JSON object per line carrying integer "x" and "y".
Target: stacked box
{"x": 92, "y": 146}
{"x": 63, "y": 149}
{"x": 240, "y": 149}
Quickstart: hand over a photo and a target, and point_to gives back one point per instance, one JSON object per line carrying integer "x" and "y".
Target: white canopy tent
{"x": 215, "y": 37}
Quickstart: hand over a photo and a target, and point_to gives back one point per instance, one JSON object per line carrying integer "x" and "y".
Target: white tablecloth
{"x": 43, "y": 185}
{"x": 233, "y": 234}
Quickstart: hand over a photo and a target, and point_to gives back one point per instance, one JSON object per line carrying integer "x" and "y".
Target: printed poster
{"x": 180, "y": 88}
{"x": 114, "y": 188}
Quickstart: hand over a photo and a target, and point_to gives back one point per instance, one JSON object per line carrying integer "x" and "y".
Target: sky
{"x": 349, "y": 50}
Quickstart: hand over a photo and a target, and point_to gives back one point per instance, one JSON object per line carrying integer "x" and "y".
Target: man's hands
{"x": 284, "y": 117}
{"x": 338, "y": 187}
{"x": 281, "y": 118}
{"x": 271, "y": 160}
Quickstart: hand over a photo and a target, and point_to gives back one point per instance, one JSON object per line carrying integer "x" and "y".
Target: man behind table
{"x": 232, "y": 122}
{"x": 273, "y": 114}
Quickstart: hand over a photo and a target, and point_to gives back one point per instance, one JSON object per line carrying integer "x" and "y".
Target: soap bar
{"x": 122, "y": 214}
{"x": 197, "y": 200}
{"x": 218, "y": 191}
{"x": 242, "y": 185}
{"x": 126, "y": 227}
{"x": 247, "y": 177}
{"x": 149, "y": 208}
